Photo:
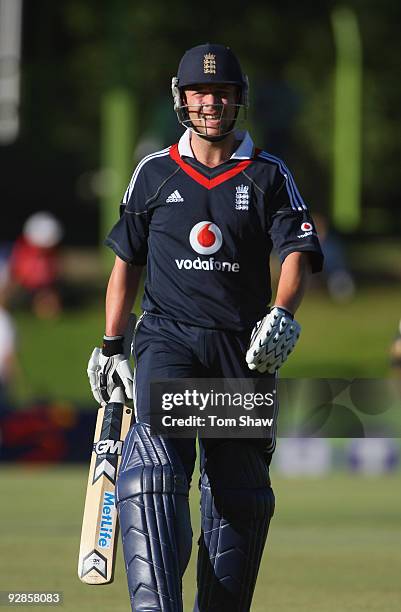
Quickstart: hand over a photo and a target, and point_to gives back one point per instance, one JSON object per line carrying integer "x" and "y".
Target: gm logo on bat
{"x": 108, "y": 447}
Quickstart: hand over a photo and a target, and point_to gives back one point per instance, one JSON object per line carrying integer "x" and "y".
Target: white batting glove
{"x": 272, "y": 340}
{"x": 107, "y": 373}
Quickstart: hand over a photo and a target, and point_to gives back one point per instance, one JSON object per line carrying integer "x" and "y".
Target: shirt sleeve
{"x": 129, "y": 236}
{"x": 291, "y": 226}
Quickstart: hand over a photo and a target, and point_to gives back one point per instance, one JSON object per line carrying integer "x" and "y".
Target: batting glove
{"x": 272, "y": 340}
{"x": 108, "y": 372}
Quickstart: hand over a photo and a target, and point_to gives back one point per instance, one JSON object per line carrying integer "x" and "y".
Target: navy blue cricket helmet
{"x": 206, "y": 64}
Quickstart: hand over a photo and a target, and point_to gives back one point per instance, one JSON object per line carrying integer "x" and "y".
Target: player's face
{"x": 212, "y": 108}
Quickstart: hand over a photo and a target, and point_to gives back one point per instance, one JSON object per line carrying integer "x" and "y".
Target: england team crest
{"x": 209, "y": 63}
{"x": 242, "y": 197}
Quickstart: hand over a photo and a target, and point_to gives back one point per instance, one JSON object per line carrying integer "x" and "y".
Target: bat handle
{"x": 117, "y": 395}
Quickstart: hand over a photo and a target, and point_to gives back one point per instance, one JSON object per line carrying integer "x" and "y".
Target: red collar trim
{"x": 203, "y": 180}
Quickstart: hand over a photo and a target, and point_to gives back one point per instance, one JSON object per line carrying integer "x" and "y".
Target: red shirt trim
{"x": 203, "y": 180}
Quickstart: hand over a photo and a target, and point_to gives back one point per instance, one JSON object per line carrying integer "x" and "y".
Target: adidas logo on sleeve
{"x": 174, "y": 197}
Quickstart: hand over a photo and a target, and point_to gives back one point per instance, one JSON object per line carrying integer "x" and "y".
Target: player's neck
{"x": 211, "y": 153}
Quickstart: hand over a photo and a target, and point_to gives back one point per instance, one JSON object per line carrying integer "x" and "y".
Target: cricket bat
{"x": 99, "y": 536}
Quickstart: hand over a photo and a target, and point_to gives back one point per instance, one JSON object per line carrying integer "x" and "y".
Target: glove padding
{"x": 272, "y": 340}
{"x": 107, "y": 373}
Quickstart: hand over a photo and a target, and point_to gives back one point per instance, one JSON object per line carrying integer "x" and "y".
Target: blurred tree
{"x": 70, "y": 59}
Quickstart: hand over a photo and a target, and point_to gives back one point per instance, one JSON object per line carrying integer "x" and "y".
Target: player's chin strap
{"x": 213, "y": 138}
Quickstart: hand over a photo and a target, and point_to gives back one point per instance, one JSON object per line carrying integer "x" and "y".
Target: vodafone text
{"x": 207, "y": 264}
{"x": 306, "y": 234}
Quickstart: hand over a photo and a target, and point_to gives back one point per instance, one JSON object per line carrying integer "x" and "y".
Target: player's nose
{"x": 210, "y": 99}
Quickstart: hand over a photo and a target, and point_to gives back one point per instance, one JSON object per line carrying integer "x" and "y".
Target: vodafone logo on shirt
{"x": 307, "y": 229}
{"x": 205, "y": 238}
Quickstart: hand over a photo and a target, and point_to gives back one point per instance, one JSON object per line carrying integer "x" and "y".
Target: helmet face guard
{"x": 205, "y": 65}
{"x": 227, "y": 114}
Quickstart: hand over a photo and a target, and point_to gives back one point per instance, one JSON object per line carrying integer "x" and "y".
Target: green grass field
{"x": 350, "y": 340}
{"x": 334, "y": 543}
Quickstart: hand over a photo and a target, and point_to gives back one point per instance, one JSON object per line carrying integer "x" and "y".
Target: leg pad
{"x": 153, "y": 508}
{"x": 237, "y": 504}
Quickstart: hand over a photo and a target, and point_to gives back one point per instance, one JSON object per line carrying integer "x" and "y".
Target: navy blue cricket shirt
{"x": 206, "y": 234}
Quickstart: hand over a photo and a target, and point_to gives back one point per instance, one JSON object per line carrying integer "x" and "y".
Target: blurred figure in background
{"x": 34, "y": 264}
{"x": 395, "y": 353}
{"x": 277, "y": 106}
{"x": 8, "y": 360}
{"x": 336, "y": 274}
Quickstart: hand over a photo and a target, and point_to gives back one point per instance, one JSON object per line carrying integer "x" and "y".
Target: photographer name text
{"x": 215, "y": 421}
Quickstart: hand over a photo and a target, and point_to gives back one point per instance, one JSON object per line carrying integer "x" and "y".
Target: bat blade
{"x": 99, "y": 535}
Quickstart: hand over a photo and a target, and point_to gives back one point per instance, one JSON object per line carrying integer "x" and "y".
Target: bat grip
{"x": 117, "y": 395}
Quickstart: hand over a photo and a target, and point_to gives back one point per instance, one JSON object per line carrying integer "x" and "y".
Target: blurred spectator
{"x": 7, "y": 341}
{"x": 395, "y": 352}
{"x": 304, "y": 457}
{"x": 373, "y": 456}
{"x": 34, "y": 263}
{"x": 337, "y": 276}
{"x": 276, "y": 107}
{"x": 5, "y": 252}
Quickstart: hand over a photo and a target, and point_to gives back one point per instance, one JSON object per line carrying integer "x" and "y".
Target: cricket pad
{"x": 237, "y": 504}
{"x": 153, "y": 508}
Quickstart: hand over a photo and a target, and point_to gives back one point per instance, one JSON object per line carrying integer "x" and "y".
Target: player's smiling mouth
{"x": 211, "y": 120}
{"x": 210, "y": 117}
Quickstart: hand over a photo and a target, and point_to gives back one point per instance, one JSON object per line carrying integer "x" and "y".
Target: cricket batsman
{"x": 203, "y": 216}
